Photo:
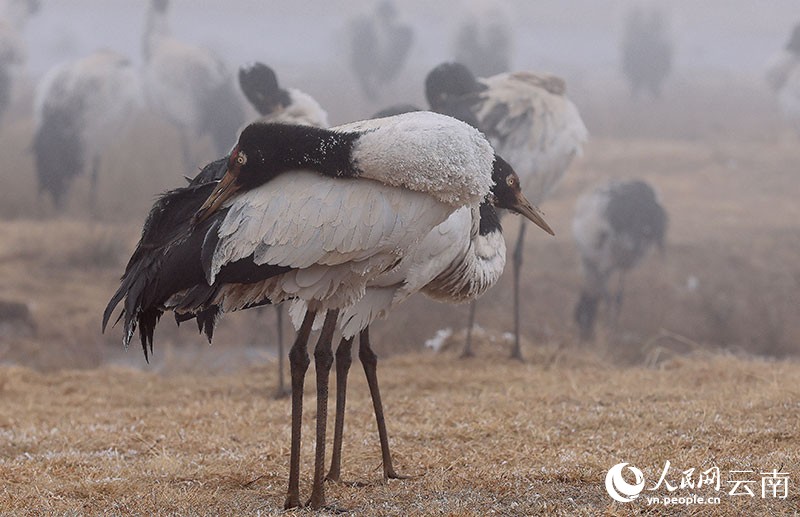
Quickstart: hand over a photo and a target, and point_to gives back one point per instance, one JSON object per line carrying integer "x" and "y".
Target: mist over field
{"x": 718, "y": 307}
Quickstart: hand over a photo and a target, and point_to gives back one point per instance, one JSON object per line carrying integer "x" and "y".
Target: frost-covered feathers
{"x": 80, "y": 108}
{"x": 425, "y": 152}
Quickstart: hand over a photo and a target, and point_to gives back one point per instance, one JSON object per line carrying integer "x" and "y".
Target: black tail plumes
{"x": 169, "y": 259}
{"x": 162, "y": 262}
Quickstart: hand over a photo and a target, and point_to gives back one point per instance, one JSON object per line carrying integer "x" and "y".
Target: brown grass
{"x": 479, "y": 436}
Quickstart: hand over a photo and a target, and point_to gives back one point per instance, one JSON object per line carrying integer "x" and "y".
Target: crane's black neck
{"x": 272, "y": 149}
{"x": 490, "y": 220}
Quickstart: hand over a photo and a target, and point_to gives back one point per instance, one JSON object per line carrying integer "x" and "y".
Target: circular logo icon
{"x": 619, "y": 489}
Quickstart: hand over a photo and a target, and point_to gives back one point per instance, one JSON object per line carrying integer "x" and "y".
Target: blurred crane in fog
{"x": 288, "y": 106}
{"x": 783, "y": 75}
{"x": 188, "y": 85}
{"x": 379, "y": 47}
{"x": 530, "y": 122}
{"x": 81, "y": 107}
{"x": 275, "y": 104}
{"x": 13, "y": 17}
{"x": 484, "y": 40}
{"x": 646, "y": 52}
{"x": 614, "y": 226}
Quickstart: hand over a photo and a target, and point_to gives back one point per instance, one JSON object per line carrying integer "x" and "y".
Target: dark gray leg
{"x": 343, "y": 360}
{"x": 616, "y": 302}
{"x": 93, "y": 185}
{"x": 298, "y": 362}
{"x": 281, "y": 390}
{"x": 467, "y": 352}
{"x": 370, "y": 362}
{"x": 323, "y": 359}
{"x": 516, "y": 352}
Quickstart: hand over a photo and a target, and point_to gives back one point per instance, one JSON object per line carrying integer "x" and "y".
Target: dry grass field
{"x": 701, "y": 370}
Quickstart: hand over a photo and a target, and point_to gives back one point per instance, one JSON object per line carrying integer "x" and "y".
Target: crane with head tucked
{"x": 315, "y": 215}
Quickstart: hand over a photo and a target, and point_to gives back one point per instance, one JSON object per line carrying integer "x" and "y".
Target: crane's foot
{"x": 391, "y": 474}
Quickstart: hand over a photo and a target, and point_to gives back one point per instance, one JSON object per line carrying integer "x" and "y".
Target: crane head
{"x": 506, "y": 193}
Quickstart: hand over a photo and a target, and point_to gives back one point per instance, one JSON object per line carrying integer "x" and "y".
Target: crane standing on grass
{"x": 316, "y": 215}
{"x": 81, "y": 108}
{"x": 614, "y": 226}
{"x": 530, "y": 122}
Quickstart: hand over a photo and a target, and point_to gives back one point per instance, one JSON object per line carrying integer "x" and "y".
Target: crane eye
{"x": 241, "y": 158}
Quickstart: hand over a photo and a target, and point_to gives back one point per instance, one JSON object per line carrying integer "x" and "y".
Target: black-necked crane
{"x": 275, "y": 104}
{"x": 310, "y": 214}
{"x": 189, "y": 86}
{"x": 530, "y": 122}
{"x": 783, "y": 76}
{"x": 287, "y": 106}
{"x": 614, "y": 226}
{"x": 646, "y": 52}
{"x": 80, "y": 108}
{"x": 13, "y": 16}
{"x": 379, "y": 47}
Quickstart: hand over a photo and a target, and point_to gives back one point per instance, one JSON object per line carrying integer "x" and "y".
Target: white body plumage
{"x": 425, "y": 152}
{"x": 533, "y": 125}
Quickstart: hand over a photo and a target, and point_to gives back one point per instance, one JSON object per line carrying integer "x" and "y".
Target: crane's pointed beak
{"x": 526, "y": 209}
{"x": 225, "y": 189}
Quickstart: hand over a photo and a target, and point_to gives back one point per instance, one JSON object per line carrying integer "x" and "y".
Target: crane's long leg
{"x": 298, "y": 362}
{"x": 616, "y": 302}
{"x": 516, "y": 353}
{"x": 93, "y": 185}
{"x": 343, "y": 360}
{"x": 281, "y": 390}
{"x": 467, "y": 352}
{"x": 323, "y": 359}
{"x": 370, "y": 362}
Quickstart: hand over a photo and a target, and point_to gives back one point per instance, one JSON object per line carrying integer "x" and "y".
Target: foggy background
{"x": 714, "y": 144}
